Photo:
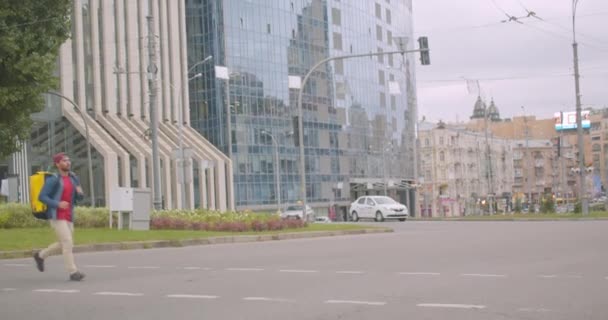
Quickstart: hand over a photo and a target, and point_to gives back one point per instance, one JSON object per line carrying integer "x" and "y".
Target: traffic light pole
{"x": 424, "y": 59}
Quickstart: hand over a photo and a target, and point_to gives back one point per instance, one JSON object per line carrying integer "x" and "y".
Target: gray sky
{"x": 468, "y": 40}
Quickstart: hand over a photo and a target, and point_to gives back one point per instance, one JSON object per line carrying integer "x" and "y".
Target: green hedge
{"x": 16, "y": 215}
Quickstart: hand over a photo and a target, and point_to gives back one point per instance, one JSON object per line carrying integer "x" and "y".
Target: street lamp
{"x": 424, "y": 50}
{"x": 181, "y": 140}
{"x": 277, "y": 174}
{"x": 579, "y": 126}
{"x": 86, "y": 129}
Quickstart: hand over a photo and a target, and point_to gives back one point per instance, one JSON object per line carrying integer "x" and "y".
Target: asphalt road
{"x": 424, "y": 270}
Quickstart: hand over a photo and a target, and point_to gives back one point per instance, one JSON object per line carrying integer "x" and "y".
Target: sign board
{"x": 222, "y": 73}
{"x": 567, "y": 120}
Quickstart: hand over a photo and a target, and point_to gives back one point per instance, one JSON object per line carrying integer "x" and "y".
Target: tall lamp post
{"x": 86, "y": 129}
{"x": 277, "y": 174}
{"x": 579, "y": 127}
{"x": 424, "y": 50}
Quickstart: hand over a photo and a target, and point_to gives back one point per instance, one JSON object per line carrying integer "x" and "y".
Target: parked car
{"x": 378, "y": 208}
{"x": 296, "y": 212}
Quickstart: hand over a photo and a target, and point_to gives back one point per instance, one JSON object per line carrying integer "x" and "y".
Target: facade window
{"x": 379, "y": 33}
{"x": 393, "y": 102}
{"x": 268, "y": 28}
{"x": 339, "y": 66}
{"x": 381, "y": 77}
{"x": 380, "y": 57}
{"x": 442, "y": 156}
{"x": 378, "y": 11}
{"x": 336, "y": 17}
{"x": 390, "y": 60}
{"x": 389, "y": 37}
{"x": 337, "y": 41}
{"x": 382, "y": 100}
{"x": 426, "y": 142}
{"x": 388, "y": 16}
{"x": 440, "y": 141}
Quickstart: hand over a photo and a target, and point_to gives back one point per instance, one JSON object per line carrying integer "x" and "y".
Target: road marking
{"x": 193, "y": 268}
{"x": 350, "y": 272}
{"x": 8, "y": 289}
{"x": 450, "y": 305}
{"x": 483, "y": 275}
{"x": 534, "y": 310}
{"x": 17, "y": 265}
{"x": 548, "y": 276}
{"x": 99, "y": 266}
{"x": 124, "y": 294}
{"x": 144, "y": 267}
{"x": 266, "y": 299}
{"x": 369, "y": 303}
{"x": 191, "y": 296}
{"x": 298, "y": 271}
{"x": 56, "y": 291}
{"x": 420, "y": 273}
{"x": 576, "y": 276}
{"x": 244, "y": 269}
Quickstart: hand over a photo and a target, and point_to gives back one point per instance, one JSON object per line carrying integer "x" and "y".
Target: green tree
{"x": 31, "y": 32}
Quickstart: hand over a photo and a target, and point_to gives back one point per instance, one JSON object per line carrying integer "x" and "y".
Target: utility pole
{"x": 527, "y": 162}
{"x": 579, "y": 126}
{"x": 488, "y": 167}
{"x": 152, "y": 73}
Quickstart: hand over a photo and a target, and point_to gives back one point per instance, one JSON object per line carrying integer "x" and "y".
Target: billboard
{"x": 567, "y": 120}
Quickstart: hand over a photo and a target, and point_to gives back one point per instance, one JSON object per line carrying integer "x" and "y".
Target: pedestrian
{"x": 60, "y": 193}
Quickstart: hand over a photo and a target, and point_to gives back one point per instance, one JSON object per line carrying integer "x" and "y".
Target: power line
{"x": 29, "y": 23}
{"x": 503, "y": 78}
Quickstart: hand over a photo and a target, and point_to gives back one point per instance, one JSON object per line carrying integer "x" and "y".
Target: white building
{"x": 103, "y": 69}
{"x": 462, "y": 171}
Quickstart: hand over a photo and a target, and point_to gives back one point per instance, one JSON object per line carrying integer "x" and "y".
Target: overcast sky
{"x": 529, "y": 64}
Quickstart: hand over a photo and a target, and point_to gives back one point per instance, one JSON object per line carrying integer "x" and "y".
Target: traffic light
{"x": 296, "y": 131}
{"x": 425, "y": 57}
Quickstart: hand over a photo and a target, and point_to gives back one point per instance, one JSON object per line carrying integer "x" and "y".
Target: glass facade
{"x": 358, "y": 124}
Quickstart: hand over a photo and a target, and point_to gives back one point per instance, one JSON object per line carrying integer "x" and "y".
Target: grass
{"x": 536, "y": 216}
{"x": 31, "y": 238}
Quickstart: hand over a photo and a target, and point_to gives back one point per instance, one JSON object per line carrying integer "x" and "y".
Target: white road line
{"x": 483, "y": 275}
{"x": 450, "y": 305}
{"x": 266, "y": 299}
{"x": 56, "y": 290}
{"x": 124, "y": 294}
{"x": 193, "y": 268}
{"x": 548, "y": 276}
{"x": 244, "y": 269}
{"x": 298, "y": 271}
{"x": 534, "y": 310}
{"x": 17, "y": 265}
{"x": 575, "y": 276}
{"x": 350, "y": 272}
{"x": 144, "y": 267}
{"x": 420, "y": 273}
{"x": 99, "y": 266}
{"x": 369, "y": 303}
{"x": 8, "y": 289}
{"x": 191, "y": 296}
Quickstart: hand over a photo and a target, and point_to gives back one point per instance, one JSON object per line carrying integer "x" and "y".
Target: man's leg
{"x": 52, "y": 249}
{"x": 64, "y": 230}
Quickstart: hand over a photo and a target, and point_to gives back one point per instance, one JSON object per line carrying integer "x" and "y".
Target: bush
{"x": 13, "y": 215}
{"x": 17, "y": 215}
{"x": 548, "y": 204}
{"x": 209, "y": 220}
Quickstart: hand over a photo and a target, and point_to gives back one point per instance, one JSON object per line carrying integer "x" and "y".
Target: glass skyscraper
{"x": 359, "y": 114}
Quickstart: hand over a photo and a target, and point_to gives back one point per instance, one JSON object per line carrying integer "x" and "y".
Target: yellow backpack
{"x": 37, "y": 180}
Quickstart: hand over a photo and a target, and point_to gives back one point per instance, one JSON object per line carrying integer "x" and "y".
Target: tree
{"x": 31, "y": 32}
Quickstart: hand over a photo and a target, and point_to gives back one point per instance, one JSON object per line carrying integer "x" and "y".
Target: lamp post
{"x": 579, "y": 127}
{"x": 181, "y": 140}
{"x": 86, "y": 129}
{"x": 277, "y": 174}
{"x": 423, "y": 50}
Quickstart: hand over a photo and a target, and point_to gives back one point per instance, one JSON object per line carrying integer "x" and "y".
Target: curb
{"x": 136, "y": 245}
{"x": 517, "y": 219}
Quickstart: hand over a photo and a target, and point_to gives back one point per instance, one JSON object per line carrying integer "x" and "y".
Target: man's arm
{"x": 45, "y": 196}
{"x": 79, "y": 193}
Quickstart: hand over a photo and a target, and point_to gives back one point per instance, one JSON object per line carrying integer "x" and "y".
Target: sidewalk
{"x": 134, "y": 245}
